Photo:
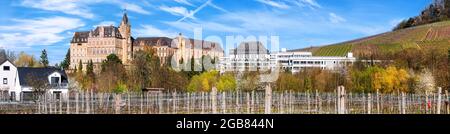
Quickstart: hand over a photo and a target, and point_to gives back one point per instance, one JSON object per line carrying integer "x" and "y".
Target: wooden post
{"x": 268, "y": 100}
{"x": 203, "y": 103}
{"x": 426, "y": 102}
{"x": 369, "y": 103}
{"x": 60, "y": 104}
{"x": 117, "y": 101}
{"x": 174, "y": 103}
{"x": 248, "y": 102}
{"x": 338, "y": 100}
{"x": 237, "y": 108}
{"x": 308, "y": 102}
{"x": 68, "y": 104}
{"x": 378, "y": 102}
{"x": 403, "y": 103}
{"x": 224, "y": 101}
{"x": 438, "y": 111}
{"x": 159, "y": 96}
{"x": 213, "y": 100}
{"x": 343, "y": 100}
{"x": 252, "y": 108}
{"x": 447, "y": 104}
{"x": 76, "y": 103}
{"x": 87, "y": 102}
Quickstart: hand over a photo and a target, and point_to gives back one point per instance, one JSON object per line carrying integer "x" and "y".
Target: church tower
{"x": 125, "y": 31}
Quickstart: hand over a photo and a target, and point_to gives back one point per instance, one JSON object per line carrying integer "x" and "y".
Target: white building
{"x": 296, "y": 61}
{"x": 248, "y": 56}
{"x": 252, "y": 56}
{"x": 16, "y": 80}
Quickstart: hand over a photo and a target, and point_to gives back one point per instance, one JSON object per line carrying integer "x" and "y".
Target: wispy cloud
{"x": 192, "y": 13}
{"x": 78, "y": 7}
{"x": 310, "y": 3}
{"x": 151, "y": 31}
{"x": 205, "y": 25}
{"x": 184, "y": 2}
{"x": 272, "y": 3}
{"x": 178, "y": 11}
{"x": 71, "y": 7}
{"x": 41, "y": 31}
{"x": 133, "y": 7}
{"x": 336, "y": 19}
{"x": 106, "y": 23}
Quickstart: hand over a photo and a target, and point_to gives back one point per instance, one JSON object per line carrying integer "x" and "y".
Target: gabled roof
{"x": 4, "y": 60}
{"x": 26, "y": 73}
{"x": 153, "y": 41}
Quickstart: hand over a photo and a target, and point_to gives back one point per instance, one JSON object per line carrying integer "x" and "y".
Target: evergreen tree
{"x": 80, "y": 66}
{"x": 66, "y": 62}
{"x": 44, "y": 58}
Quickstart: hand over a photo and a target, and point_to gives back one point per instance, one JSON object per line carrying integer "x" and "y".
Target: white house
{"x": 16, "y": 80}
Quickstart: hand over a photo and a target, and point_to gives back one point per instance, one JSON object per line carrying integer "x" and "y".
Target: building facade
{"x": 97, "y": 44}
{"x": 253, "y": 56}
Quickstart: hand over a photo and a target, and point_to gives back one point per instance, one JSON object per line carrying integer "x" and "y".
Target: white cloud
{"x": 208, "y": 26}
{"x": 134, "y": 8}
{"x": 279, "y": 4}
{"x": 311, "y": 3}
{"x": 72, "y": 7}
{"x": 106, "y": 23}
{"x": 335, "y": 18}
{"x": 192, "y": 13}
{"x": 79, "y": 7}
{"x": 184, "y": 2}
{"x": 178, "y": 11}
{"x": 41, "y": 31}
{"x": 149, "y": 30}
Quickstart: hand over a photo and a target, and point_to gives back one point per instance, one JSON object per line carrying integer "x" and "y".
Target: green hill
{"x": 420, "y": 37}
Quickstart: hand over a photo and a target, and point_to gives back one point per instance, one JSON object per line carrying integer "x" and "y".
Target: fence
{"x": 238, "y": 102}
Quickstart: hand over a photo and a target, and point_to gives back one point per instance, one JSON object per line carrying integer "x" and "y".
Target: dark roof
{"x": 26, "y": 73}
{"x": 108, "y": 31}
{"x": 80, "y": 37}
{"x": 153, "y": 41}
{"x": 250, "y": 48}
{"x": 4, "y": 60}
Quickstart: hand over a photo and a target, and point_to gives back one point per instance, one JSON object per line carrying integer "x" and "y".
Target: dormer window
{"x": 6, "y": 68}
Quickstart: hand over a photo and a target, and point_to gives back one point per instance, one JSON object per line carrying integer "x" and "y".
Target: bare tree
{"x": 39, "y": 85}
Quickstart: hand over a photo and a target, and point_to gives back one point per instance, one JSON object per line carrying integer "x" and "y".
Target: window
{"x": 5, "y": 68}
{"x": 5, "y": 81}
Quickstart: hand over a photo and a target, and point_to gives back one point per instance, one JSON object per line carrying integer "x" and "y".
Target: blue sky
{"x": 33, "y": 25}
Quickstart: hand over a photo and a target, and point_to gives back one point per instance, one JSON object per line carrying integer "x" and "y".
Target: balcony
{"x": 59, "y": 85}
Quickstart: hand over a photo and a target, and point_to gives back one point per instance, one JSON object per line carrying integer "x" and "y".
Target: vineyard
{"x": 426, "y": 36}
{"x": 255, "y": 102}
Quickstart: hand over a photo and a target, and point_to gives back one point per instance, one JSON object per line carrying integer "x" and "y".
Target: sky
{"x": 34, "y": 25}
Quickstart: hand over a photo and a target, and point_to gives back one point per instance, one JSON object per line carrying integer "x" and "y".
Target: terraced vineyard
{"x": 436, "y": 35}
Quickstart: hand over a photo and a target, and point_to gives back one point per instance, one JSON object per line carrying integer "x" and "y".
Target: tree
{"x": 7, "y": 55}
{"x": 112, "y": 74}
{"x": 66, "y": 62}
{"x": 44, "y": 58}
{"x": 25, "y": 60}
{"x": 80, "y": 67}
{"x": 425, "y": 82}
{"x": 227, "y": 82}
{"x": 39, "y": 85}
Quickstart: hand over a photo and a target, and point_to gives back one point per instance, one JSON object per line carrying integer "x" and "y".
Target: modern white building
{"x": 296, "y": 61}
{"x": 248, "y": 56}
{"x": 253, "y": 56}
{"x": 17, "y": 81}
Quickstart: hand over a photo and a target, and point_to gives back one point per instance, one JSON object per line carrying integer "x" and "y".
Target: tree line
{"x": 437, "y": 11}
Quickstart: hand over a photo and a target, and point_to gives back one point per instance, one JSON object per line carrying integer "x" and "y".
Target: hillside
{"x": 421, "y": 37}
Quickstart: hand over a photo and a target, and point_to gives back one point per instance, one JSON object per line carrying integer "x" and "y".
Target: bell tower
{"x": 125, "y": 31}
